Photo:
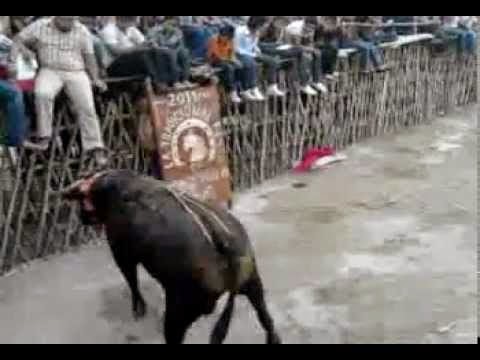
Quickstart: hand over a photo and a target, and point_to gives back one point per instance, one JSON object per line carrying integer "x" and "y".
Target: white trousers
{"x": 79, "y": 89}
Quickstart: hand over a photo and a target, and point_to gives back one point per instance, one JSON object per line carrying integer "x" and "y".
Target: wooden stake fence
{"x": 263, "y": 140}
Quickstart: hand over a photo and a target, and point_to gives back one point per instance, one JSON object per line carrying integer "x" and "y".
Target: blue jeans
{"x": 17, "y": 122}
{"x": 230, "y": 75}
{"x": 381, "y": 37}
{"x": 249, "y": 69}
{"x": 466, "y": 39}
{"x": 328, "y": 58}
{"x": 368, "y": 52}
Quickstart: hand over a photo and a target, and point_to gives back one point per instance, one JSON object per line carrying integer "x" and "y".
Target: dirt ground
{"x": 378, "y": 249}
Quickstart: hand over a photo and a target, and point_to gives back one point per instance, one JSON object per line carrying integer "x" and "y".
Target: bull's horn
{"x": 72, "y": 191}
{"x": 75, "y": 191}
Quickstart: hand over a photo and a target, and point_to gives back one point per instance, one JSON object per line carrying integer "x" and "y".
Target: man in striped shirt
{"x": 65, "y": 54}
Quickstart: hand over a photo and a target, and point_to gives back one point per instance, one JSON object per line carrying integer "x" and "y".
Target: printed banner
{"x": 191, "y": 144}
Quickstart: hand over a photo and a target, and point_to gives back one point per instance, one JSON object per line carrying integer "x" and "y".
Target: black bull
{"x": 195, "y": 251}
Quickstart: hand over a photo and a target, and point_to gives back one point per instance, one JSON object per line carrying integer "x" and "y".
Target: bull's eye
{"x": 87, "y": 204}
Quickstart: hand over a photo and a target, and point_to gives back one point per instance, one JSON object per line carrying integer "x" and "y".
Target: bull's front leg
{"x": 128, "y": 267}
{"x": 139, "y": 307}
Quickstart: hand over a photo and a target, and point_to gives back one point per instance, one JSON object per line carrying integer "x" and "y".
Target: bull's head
{"x": 83, "y": 191}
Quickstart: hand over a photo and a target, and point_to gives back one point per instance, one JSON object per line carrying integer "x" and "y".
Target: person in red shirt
{"x": 221, "y": 54}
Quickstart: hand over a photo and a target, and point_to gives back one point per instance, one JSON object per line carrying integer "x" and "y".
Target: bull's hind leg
{"x": 254, "y": 291}
{"x": 129, "y": 271}
{"x": 180, "y": 314}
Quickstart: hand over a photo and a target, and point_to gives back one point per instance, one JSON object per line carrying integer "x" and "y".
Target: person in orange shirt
{"x": 221, "y": 54}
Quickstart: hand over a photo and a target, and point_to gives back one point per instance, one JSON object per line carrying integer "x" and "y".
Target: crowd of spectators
{"x": 73, "y": 53}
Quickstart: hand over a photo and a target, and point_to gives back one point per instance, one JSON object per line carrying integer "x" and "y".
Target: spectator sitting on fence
{"x": 12, "y": 104}
{"x": 132, "y": 55}
{"x": 169, "y": 36}
{"x": 221, "y": 54}
{"x": 196, "y": 32}
{"x": 236, "y": 20}
{"x": 375, "y": 32}
{"x": 248, "y": 52}
{"x": 213, "y": 21}
{"x": 370, "y": 54}
{"x": 65, "y": 55}
{"x": 275, "y": 43}
{"x": 327, "y": 38}
{"x": 102, "y": 53}
{"x": 398, "y": 21}
{"x": 428, "y": 24}
{"x": 460, "y": 27}
{"x": 300, "y": 34}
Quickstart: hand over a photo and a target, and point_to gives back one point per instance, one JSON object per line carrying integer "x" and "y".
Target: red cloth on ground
{"x": 311, "y": 156}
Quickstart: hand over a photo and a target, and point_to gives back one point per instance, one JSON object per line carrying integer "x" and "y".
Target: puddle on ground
{"x": 378, "y": 203}
{"x": 444, "y": 146}
{"x": 323, "y": 215}
{"x": 396, "y": 244}
{"x": 433, "y": 159}
{"x": 407, "y": 150}
{"x": 299, "y": 185}
{"x": 368, "y": 151}
{"x": 405, "y": 172}
{"x": 131, "y": 339}
{"x": 456, "y": 214}
{"x": 316, "y": 214}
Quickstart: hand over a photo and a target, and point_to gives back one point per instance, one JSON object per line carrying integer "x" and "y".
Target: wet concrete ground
{"x": 378, "y": 249}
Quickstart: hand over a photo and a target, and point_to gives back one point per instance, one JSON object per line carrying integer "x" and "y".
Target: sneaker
{"x": 308, "y": 90}
{"x": 321, "y": 87}
{"x": 248, "y": 95}
{"x": 330, "y": 77}
{"x": 383, "y": 68}
{"x": 42, "y": 145}
{"x": 258, "y": 94}
{"x": 234, "y": 98}
{"x": 101, "y": 158}
{"x": 273, "y": 90}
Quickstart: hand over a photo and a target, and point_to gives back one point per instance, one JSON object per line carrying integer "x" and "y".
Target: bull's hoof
{"x": 274, "y": 339}
{"x": 140, "y": 311}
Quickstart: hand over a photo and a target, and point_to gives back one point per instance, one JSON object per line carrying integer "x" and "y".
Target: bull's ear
{"x": 104, "y": 185}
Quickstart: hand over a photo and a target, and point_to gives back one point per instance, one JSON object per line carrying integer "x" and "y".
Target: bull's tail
{"x": 220, "y": 330}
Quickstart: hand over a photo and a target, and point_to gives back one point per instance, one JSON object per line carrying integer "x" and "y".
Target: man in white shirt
{"x": 65, "y": 54}
{"x": 132, "y": 55}
{"x": 297, "y": 33}
{"x": 247, "y": 51}
{"x": 122, "y": 34}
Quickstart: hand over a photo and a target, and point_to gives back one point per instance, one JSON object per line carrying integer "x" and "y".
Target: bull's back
{"x": 170, "y": 243}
